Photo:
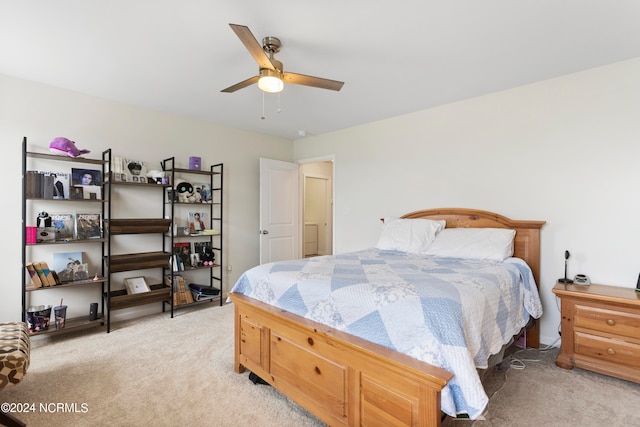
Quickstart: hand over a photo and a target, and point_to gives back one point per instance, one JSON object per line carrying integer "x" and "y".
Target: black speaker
{"x": 93, "y": 311}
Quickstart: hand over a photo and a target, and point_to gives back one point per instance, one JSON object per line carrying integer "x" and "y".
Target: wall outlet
{"x": 229, "y": 267}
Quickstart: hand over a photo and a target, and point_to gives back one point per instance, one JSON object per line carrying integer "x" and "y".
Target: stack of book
{"x": 180, "y": 295}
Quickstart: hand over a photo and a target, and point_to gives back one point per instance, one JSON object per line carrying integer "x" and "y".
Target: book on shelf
{"x": 88, "y": 226}
{"x": 182, "y": 253}
{"x": 46, "y": 277}
{"x": 64, "y": 224}
{"x": 180, "y": 293}
{"x": 35, "y": 278}
{"x": 65, "y": 263}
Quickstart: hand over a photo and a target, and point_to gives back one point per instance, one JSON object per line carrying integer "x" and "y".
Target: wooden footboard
{"x": 341, "y": 379}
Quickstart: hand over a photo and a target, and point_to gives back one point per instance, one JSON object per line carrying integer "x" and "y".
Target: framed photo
{"x": 81, "y": 271}
{"x": 91, "y": 192}
{"x": 82, "y": 177}
{"x": 136, "y": 285}
{"x": 65, "y": 263}
{"x": 76, "y": 193}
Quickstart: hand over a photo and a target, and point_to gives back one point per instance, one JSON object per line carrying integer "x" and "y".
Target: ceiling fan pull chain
{"x": 279, "y": 109}
{"x": 263, "y": 115}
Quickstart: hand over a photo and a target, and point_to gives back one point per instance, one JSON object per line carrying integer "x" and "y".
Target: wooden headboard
{"x": 526, "y": 243}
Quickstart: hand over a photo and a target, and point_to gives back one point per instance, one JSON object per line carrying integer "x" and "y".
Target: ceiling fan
{"x": 271, "y": 77}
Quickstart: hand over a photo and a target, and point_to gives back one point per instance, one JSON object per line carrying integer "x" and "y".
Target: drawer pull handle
{"x": 611, "y": 351}
{"x": 611, "y": 322}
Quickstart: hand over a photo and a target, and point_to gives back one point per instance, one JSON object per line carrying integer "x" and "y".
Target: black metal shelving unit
{"x": 71, "y": 323}
{"x": 177, "y": 211}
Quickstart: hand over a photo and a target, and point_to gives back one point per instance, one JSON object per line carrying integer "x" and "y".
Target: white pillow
{"x": 408, "y": 235}
{"x": 474, "y": 243}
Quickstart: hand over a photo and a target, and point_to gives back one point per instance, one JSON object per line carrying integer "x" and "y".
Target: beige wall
{"x": 42, "y": 112}
{"x": 564, "y": 150}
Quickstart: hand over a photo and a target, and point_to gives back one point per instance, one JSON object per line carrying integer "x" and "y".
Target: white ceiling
{"x": 394, "y": 57}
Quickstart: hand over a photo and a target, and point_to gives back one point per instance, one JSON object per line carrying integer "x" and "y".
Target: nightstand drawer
{"x": 611, "y": 350}
{"x": 610, "y": 321}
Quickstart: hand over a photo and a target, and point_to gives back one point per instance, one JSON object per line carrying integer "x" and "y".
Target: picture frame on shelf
{"x": 64, "y": 264}
{"x": 81, "y": 177}
{"x": 92, "y": 192}
{"x": 81, "y": 272}
{"x": 136, "y": 285}
{"x": 76, "y": 193}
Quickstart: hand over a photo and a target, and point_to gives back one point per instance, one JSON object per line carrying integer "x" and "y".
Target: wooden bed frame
{"x": 345, "y": 380}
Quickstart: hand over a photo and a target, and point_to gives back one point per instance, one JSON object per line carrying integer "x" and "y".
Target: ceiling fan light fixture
{"x": 270, "y": 81}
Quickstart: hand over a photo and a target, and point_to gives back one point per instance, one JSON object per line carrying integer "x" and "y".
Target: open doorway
{"x": 317, "y": 208}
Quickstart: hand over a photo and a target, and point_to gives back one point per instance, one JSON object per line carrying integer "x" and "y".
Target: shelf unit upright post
{"x": 217, "y": 200}
{"x": 31, "y": 199}
{"x": 178, "y": 274}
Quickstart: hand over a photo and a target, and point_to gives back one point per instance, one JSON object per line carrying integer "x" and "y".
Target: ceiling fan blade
{"x": 301, "y": 79}
{"x": 255, "y": 49}
{"x": 241, "y": 85}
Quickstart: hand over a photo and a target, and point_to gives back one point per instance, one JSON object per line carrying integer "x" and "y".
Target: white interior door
{"x": 279, "y": 211}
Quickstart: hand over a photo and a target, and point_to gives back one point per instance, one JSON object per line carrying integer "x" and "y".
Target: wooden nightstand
{"x": 600, "y": 329}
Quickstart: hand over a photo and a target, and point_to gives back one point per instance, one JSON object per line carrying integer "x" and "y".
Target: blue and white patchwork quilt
{"x": 449, "y": 312}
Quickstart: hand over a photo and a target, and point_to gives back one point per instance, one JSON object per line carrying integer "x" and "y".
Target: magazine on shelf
{"x": 197, "y": 222}
{"x": 129, "y": 170}
{"x": 60, "y": 185}
{"x": 66, "y": 263}
{"x": 88, "y": 226}
{"x": 182, "y": 255}
{"x": 64, "y": 224}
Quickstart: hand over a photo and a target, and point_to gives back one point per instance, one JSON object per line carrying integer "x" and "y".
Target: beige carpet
{"x": 178, "y": 372}
{"x": 152, "y": 371}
